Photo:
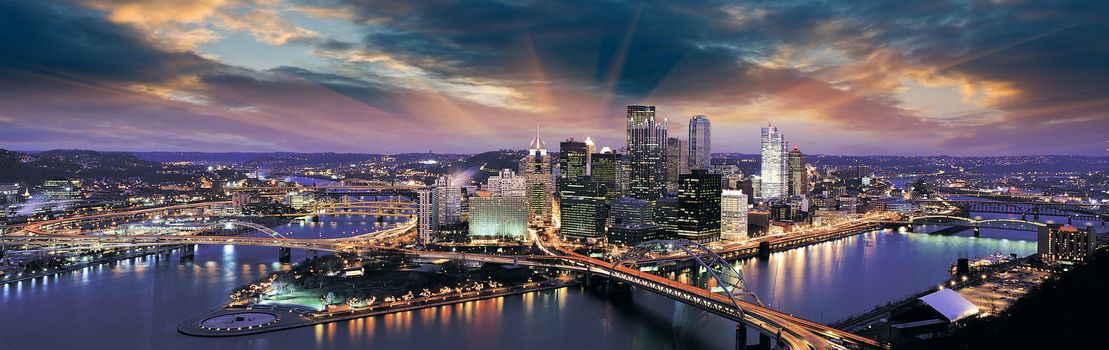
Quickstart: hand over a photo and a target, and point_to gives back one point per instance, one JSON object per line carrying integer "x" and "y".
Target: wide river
{"x": 137, "y": 304}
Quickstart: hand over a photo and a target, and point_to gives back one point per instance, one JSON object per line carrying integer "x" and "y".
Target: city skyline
{"x": 491, "y": 174}
{"x": 330, "y": 76}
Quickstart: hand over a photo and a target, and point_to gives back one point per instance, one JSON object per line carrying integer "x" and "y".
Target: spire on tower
{"x": 537, "y": 143}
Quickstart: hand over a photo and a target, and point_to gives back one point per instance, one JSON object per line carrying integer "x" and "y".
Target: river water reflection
{"x": 137, "y": 304}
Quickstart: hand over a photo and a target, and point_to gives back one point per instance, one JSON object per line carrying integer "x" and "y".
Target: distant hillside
{"x": 33, "y": 168}
{"x": 203, "y": 157}
{"x": 311, "y": 159}
{"x": 492, "y": 161}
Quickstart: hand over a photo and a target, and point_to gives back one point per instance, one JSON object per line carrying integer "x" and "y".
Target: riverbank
{"x": 130, "y": 254}
{"x": 1069, "y": 311}
{"x": 975, "y": 287}
{"x": 250, "y": 320}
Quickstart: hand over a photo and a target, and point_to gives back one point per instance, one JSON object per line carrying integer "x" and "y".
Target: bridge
{"x": 333, "y": 189}
{"x": 386, "y": 208}
{"x": 976, "y": 224}
{"x": 76, "y": 224}
{"x": 1030, "y": 209}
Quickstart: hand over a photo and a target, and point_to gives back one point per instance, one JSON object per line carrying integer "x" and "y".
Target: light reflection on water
{"x": 139, "y": 302}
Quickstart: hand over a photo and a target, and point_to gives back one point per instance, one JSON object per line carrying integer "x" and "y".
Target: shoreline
{"x": 288, "y": 317}
{"x": 77, "y": 267}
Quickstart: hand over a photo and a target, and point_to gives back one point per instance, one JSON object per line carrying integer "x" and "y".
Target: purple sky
{"x": 843, "y": 77}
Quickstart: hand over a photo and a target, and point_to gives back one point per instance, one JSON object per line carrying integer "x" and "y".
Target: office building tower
{"x": 798, "y": 173}
{"x": 536, "y": 169}
{"x": 700, "y": 150}
{"x": 666, "y": 213}
{"x": 608, "y": 171}
{"x": 439, "y": 210}
{"x": 628, "y": 210}
{"x": 507, "y": 184}
{"x": 448, "y": 201}
{"x": 424, "y": 213}
{"x": 62, "y": 189}
{"x": 646, "y": 155}
{"x": 1057, "y": 242}
{"x": 699, "y": 203}
{"x": 677, "y": 162}
{"x": 583, "y": 209}
{"x": 774, "y": 164}
{"x": 632, "y": 234}
{"x": 573, "y": 160}
{"x": 498, "y": 218}
{"x": 733, "y": 215}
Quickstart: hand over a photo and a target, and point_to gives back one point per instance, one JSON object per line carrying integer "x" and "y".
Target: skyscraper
{"x": 733, "y": 215}
{"x": 573, "y": 158}
{"x": 440, "y": 208}
{"x": 536, "y": 168}
{"x": 608, "y": 172}
{"x": 798, "y": 173}
{"x": 700, "y": 151}
{"x": 774, "y": 164}
{"x": 646, "y": 153}
{"x": 677, "y": 161}
{"x": 699, "y": 206}
{"x": 424, "y": 215}
{"x": 583, "y": 208}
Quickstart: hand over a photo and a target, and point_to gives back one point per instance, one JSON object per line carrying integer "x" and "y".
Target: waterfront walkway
{"x": 210, "y": 323}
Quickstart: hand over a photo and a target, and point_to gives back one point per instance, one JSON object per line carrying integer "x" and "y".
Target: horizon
{"x": 552, "y": 151}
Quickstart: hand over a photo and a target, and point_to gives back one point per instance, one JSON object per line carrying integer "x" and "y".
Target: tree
{"x": 329, "y": 298}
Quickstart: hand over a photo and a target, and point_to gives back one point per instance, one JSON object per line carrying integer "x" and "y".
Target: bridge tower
{"x": 764, "y": 250}
{"x": 977, "y": 231}
{"x": 187, "y": 251}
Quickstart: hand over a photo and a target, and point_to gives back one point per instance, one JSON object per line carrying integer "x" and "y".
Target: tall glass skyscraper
{"x": 700, "y": 151}
{"x": 775, "y": 169}
{"x": 646, "y": 154}
{"x": 536, "y": 167}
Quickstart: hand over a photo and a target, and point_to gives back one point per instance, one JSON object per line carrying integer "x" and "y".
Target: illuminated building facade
{"x": 536, "y": 169}
{"x": 1065, "y": 243}
{"x": 700, "y": 140}
{"x": 646, "y": 153}
{"x": 775, "y": 169}
{"x": 733, "y": 215}
{"x": 498, "y": 218}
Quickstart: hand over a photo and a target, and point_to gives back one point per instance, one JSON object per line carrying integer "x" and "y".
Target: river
{"x": 137, "y": 304}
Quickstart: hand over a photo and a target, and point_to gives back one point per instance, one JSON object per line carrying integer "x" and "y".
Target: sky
{"x": 1001, "y": 77}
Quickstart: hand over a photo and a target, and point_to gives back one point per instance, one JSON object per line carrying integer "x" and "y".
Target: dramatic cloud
{"x": 858, "y": 77}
